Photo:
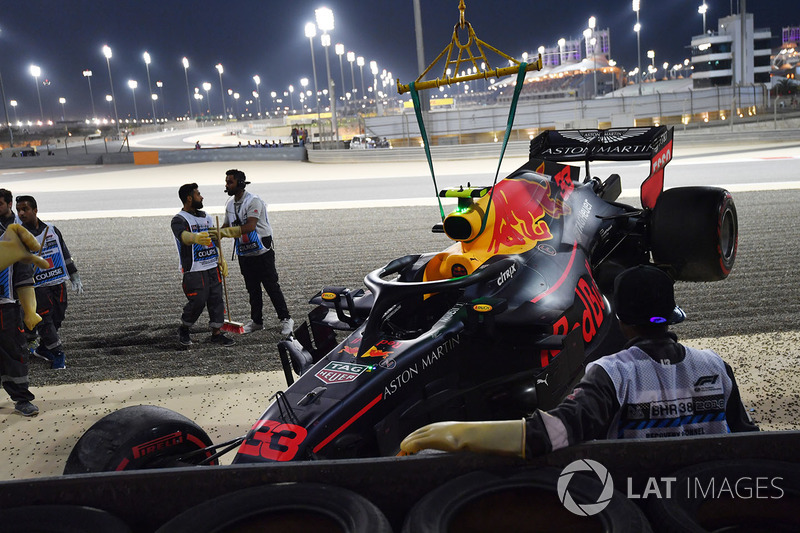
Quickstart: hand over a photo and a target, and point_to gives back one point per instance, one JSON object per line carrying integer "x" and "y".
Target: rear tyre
{"x": 138, "y": 438}
{"x": 695, "y": 230}
{"x": 283, "y": 507}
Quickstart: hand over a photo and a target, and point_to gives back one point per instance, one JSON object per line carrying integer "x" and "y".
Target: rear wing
{"x": 652, "y": 144}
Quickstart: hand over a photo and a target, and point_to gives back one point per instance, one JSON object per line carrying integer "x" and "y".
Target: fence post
{"x": 660, "y": 111}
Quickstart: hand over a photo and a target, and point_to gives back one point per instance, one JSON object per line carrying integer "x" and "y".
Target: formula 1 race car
{"x": 499, "y": 324}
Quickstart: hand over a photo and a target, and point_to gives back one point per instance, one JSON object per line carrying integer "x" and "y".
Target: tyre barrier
{"x": 59, "y": 519}
{"x": 283, "y": 508}
{"x": 731, "y": 496}
{"x": 527, "y": 500}
{"x": 491, "y": 492}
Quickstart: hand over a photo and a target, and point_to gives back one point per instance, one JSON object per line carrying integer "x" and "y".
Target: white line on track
{"x": 220, "y": 209}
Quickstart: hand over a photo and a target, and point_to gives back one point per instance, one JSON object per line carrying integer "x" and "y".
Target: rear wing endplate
{"x": 652, "y": 144}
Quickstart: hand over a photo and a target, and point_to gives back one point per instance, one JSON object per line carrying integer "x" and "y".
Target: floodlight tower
{"x": 325, "y": 22}
{"x": 221, "y": 89}
{"x": 339, "y": 49}
{"x": 36, "y": 71}
{"x": 146, "y": 57}
{"x": 638, "y": 29}
{"x": 107, "y": 54}
{"x": 257, "y": 80}
{"x": 702, "y": 10}
{"x": 185, "y": 62}
{"x": 360, "y": 63}
{"x": 133, "y": 84}
{"x": 311, "y": 32}
{"x": 351, "y": 57}
{"x": 206, "y": 88}
{"x": 88, "y": 75}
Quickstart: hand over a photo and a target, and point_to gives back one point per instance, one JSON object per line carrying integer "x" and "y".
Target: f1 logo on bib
{"x": 585, "y": 509}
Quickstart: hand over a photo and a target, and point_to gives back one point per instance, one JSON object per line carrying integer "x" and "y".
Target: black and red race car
{"x": 500, "y": 323}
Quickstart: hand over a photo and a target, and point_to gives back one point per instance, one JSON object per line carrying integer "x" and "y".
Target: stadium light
{"x": 107, "y": 53}
{"x": 36, "y": 71}
{"x": 638, "y": 29}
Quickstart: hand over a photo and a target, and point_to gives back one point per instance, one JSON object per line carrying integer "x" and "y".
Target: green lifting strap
{"x": 424, "y": 134}
{"x": 509, "y": 125}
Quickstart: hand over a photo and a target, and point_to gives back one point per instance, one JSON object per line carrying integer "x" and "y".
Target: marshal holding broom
{"x": 202, "y": 266}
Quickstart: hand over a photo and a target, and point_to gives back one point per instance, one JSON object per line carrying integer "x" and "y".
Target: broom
{"x": 228, "y": 325}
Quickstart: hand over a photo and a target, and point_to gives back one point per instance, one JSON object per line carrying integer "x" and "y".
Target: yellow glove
{"x": 505, "y": 437}
{"x": 15, "y": 247}
{"x": 27, "y": 297}
{"x": 232, "y": 232}
{"x": 223, "y": 265}
{"x": 202, "y": 238}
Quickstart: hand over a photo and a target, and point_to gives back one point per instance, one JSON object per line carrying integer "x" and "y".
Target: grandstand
{"x": 568, "y": 80}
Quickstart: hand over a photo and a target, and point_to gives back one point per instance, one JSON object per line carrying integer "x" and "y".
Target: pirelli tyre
{"x": 696, "y": 231}
{"x": 281, "y": 508}
{"x": 59, "y": 519}
{"x": 528, "y": 500}
{"x": 138, "y": 438}
{"x": 749, "y": 495}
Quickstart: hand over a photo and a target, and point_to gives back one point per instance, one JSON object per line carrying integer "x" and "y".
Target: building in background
{"x": 736, "y": 54}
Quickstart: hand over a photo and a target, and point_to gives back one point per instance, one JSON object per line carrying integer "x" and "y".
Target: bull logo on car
{"x": 519, "y": 207}
{"x": 375, "y": 352}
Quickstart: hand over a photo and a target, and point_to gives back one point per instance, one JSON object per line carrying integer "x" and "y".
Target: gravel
{"x": 125, "y": 325}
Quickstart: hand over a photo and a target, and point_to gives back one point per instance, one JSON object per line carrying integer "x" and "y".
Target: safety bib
{"x": 248, "y": 243}
{"x": 664, "y": 400}
{"x": 56, "y": 273}
{"x": 203, "y": 257}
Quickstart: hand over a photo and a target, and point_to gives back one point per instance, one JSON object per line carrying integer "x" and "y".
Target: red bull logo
{"x": 351, "y": 350}
{"x": 375, "y": 352}
{"x": 519, "y": 206}
{"x": 515, "y": 223}
{"x": 382, "y": 349}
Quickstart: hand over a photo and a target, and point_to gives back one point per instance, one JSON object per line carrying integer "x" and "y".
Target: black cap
{"x": 644, "y": 295}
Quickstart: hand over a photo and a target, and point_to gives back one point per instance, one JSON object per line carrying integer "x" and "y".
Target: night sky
{"x": 266, "y": 37}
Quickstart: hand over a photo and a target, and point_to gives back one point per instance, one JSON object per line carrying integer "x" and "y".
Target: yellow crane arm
{"x": 471, "y": 58}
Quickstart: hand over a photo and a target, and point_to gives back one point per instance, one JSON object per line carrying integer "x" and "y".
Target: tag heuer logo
{"x": 335, "y": 372}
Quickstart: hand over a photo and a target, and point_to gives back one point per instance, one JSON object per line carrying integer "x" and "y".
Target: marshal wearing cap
{"x": 644, "y": 295}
